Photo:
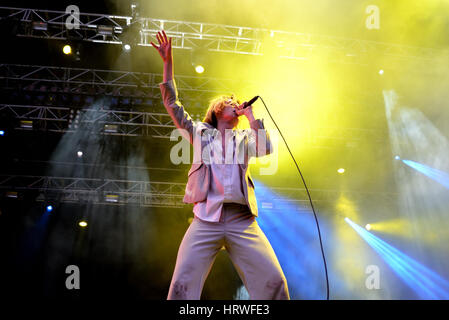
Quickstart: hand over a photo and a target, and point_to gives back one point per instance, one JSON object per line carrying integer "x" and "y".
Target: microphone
{"x": 250, "y": 102}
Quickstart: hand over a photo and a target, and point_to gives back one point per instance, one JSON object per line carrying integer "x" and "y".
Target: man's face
{"x": 228, "y": 113}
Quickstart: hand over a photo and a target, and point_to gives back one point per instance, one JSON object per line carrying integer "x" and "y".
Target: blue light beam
{"x": 435, "y": 174}
{"x": 291, "y": 231}
{"x": 426, "y": 283}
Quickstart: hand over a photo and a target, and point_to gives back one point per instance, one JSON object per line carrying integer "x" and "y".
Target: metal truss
{"x": 98, "y": 191}
{"x": 94, "y": 120}
{"x": 159, "y": 194}
{"x": 150, "y": 124}
{"x": 112, "y": 82}
{"x": 214, "y": 37}
{"x": 132, "y": 119}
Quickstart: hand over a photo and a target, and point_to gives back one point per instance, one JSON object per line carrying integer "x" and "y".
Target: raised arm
{"x": 175, "y": 109}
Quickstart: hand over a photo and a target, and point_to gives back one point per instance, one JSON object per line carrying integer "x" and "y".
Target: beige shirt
{"x": 226, "y": 180}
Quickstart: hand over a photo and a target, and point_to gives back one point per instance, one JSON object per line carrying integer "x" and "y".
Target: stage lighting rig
{"x": 198, "y": 59}
{"x": 132, "y": 32}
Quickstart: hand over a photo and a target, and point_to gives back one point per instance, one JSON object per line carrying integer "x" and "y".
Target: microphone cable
{"x": 310, "y": 200}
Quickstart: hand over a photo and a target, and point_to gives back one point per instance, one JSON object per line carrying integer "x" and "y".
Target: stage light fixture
{"x": 67, "y": 49}
{"x": 12, "y": 194}
{"x": 111, "y": 128}
{"x": 79, "y": 154}
{"x": 2, "y": 132}
{"x": 130, "y": 37}
{"x": 368, "y": 227}
{"x": 341, "y": 171}
{"x": 198, "y": 59}
{"x": 381, "y": 72}
{"x": 397, "y": 158}
{"x": 49, "y": 208}
{"x": 26, "y": 124}
{"x": 40, "y": 25}
{"x": 82, "y": 224}
{"x": 77, "y": 53}
{"x": 112, "y": 198}
{"x": 199, "y": 69}
{"x": 105, "y": 30}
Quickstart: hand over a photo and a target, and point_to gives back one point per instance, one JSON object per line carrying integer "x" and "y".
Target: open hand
{"x": 164, "y": 48}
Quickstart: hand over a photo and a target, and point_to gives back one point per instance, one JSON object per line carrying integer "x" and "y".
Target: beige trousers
{"x": 248, "y": 248}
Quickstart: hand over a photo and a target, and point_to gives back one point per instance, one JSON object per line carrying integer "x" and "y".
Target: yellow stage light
{"x": 67, "y": 49}
{"x": 199, "y": 69}
{"x": 82, "y": 224}
{"x": 341, "y": 170}
{"x": 368, "y": 227}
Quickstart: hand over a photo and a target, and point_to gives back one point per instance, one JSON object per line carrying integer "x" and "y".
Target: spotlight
{"x": 26, "y": 124}
{"x": 110, "y": 128}
{"x": 112, "y": 198}
{"x": 105, "y": 30}
{"x": 49, "y": 208}
{"x": 82, "y": 224}
{"x": 199, "y": 69}
{"x": 67, "y": 49}
{"x": 341, "y": 171}
{"x": 397, "y": 158}
{"x": 77, "y": 54}
{"x": 2, "y": 133}
{"x": 40, "y": 25}
{"x": 368, "y": 227}
{"x": 131, "y": 36}
{"x": 198, "y": 59}
{"x": 79, "y": 154}
{"x": 12, "y": 194}
{"x": 381, "y": 72}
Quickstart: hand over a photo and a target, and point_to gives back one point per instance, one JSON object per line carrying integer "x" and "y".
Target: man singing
{"x": 222, "y": 191}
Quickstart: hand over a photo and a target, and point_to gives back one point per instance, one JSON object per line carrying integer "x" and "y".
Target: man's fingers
{"x": 162, "y": 38}
{"x": 159, "y": 38}
{"x": 165, "y": 36}
{"x": 154, "y": 45}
